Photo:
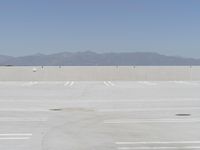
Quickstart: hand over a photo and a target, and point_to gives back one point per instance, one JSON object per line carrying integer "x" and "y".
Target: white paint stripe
{"x": 148, "y": 109}
{"x": 72, "y": 83}
{"x": 16, "y": 134}
{"x": 33, "y": 82}
{"x": 66, "y": 83}
{"x": 158, "y": 142}
{"x": 147, "y": 83}
{"x": 26, "y": 84}
{"x": 185, "y": 82}
{"x": 107, "y": 101}
{"x": 194, "y": 120}
{"x": 14, "y": 138}
{"x": 178, "y": 81}
{"x": 106, "y": 83}
{"x": 112, "y": 84}
{"x": 50, "y": 82}
{"x": 23, "y": 110}
{"x": 10, "y": 119}
{"x": 154, "y": 148}
{"x": 30, "y": 83}
{"x": 69, "y": 83}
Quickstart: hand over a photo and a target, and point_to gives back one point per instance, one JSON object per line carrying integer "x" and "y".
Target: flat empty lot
{"x": 70, "y": 115}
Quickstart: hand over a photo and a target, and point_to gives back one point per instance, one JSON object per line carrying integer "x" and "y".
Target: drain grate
{"x": 183, "y": 115}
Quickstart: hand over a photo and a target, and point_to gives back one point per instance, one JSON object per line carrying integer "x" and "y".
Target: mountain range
{"x": 89, "y": 58}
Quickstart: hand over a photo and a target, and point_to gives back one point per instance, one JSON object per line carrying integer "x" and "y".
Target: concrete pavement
{"x": 100, "y": 115}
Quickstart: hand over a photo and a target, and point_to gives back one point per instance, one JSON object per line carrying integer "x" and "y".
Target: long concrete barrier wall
{"x": 101, "y": 73}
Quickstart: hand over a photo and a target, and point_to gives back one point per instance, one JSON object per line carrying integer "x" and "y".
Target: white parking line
{"x": 18, "y": 119}
{"x": 16, "y": 134}
{"x": 158, "y": 142}
{"x": 49, "y": 82}
{"x": 129, "y": 121}
{"x": 66, "y": 83}
{"x": 138, "y": 100}
{"x": 185, "y": 82}
{"x": 23, "y": 110}
{"x": 154, "y": 148}
{"x": 31, "y": 83}
{"x": 108, "y": 83}
{"x": 69, "y": 83}
{"x": 148, "y": 109}
{"x": 72, "y": 83}
{"x": 147, "y": 83}
{"x": 112, "y": 84}
{"x": 14, "y": 138}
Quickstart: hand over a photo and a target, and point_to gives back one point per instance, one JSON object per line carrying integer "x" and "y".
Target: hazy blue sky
{"x": 166, "y": 26}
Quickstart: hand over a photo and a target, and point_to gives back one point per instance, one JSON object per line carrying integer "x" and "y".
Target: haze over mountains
{"x": 89, "y": 58}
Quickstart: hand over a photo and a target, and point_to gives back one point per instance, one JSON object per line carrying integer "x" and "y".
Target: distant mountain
{"x": 98, "y": 59}
{"x": 4, "y": 58}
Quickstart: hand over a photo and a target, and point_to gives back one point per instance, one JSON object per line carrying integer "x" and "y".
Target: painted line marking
{"x": 108, "y": 83}
{"x": 16, "y": 134}
{"x": 50, "y": 82}
{"x": 23, "y": 119}
{"x": 147, "y": 83}
{"x": 24, "y": 110}
{"x": 14, "y": 138}
{"x": 66, "y": 83}
{"x": 69, "y": 83}
{"x": 148, "y": 109}
{"x": 185, "y": 82}
{"x": 72, "y": 83}
{"x": 112, "y": 84}
{"x": 106, "y": 101}
{"x": 158, "y": 142}
{"x": 146, "y": 148}
{"x": 31, "y": 83}
{"x": 194, "y": 120}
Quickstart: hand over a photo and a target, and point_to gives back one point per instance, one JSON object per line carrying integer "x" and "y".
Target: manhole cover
{"x": 183, "y": 114}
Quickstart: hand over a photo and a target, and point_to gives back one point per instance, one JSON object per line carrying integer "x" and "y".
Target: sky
{"x": 170, "y": 27}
